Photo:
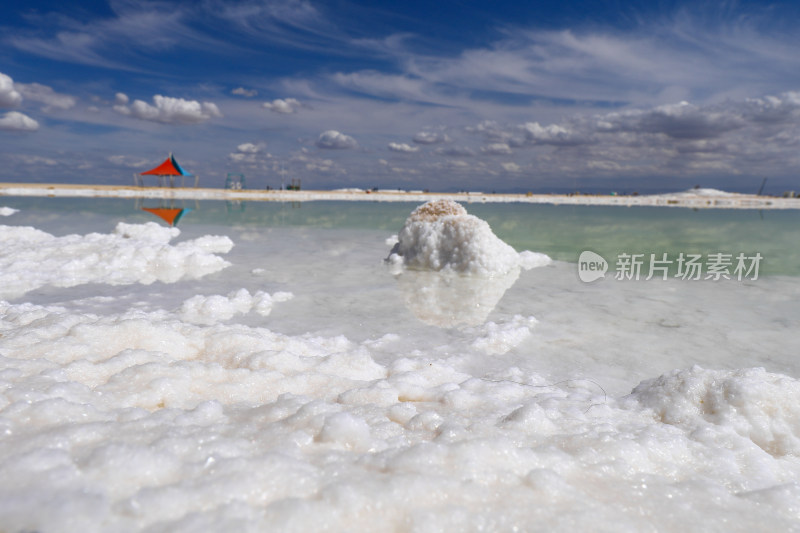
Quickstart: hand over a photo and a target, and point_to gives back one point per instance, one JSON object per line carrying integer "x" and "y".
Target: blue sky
{"x": 447, "y": 95}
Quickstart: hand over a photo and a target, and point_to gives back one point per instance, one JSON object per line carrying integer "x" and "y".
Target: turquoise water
{"x": 562, "y": 232}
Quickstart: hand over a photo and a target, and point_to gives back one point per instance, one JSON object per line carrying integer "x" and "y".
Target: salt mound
{"x": 7, "y": 211}
{"x": 753, "y": 403}
{"x": 440, "y": 235}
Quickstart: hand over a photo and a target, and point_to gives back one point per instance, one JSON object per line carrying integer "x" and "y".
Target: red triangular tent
{"x": 169, "y": 167}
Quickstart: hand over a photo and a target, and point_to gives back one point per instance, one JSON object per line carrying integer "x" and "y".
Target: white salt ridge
{"x": 7, "y": 211}
{"x": 440, "y": 235}
{"x": 749, "y": 403}
{"x": 217, "y": 308}
{"x": 133, "y": 253}
{"x": 141, "y": 421}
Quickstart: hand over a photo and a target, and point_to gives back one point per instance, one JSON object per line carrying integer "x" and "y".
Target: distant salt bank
{"x": 694, "y": 198}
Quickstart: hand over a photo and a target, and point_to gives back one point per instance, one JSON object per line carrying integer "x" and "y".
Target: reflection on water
{"x": 562, "y": 232}
{"x": 449, "y": 299}
{"x": 170, "y": 212}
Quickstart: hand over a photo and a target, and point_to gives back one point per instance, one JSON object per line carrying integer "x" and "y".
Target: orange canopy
{"x": 169, "y": 167}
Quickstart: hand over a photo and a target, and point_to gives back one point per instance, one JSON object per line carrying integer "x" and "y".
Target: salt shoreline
{"x": 679, "y": 199}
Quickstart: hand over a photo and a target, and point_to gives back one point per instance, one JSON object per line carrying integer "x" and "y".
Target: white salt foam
{"x": 133, "y": 253}
{"x": 141, "y": 421}
{"x": 752, "y": 403}
{"x": 216, "y": 308}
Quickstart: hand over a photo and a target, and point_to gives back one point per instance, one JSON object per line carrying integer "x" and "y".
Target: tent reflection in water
{"x": 170, "y": 215}
{"x": 169, "y": 169}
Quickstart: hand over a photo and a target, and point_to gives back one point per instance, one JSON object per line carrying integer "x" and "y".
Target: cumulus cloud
{"x": 431, "y": 137}
{"x": 283, "y": 106}
{"x": 250, "y": 148}
{"x": 169, "y": 110}
{"x": 552, "y": 134}
{"x": 773, "y": 109}
{"x": 15, "y": 121}
{"x": 402, "y": 148}
{"x": 335, "y": 140}
{"x": 496, "y": 149}
{"x": 678, "y": 121}
{"x": 9, "y": 96}
{"x": 250, "y": 154}
{"x": 247, "y": 93}
{"x": 45, "y": 95}
{"x": 492, "y": 131}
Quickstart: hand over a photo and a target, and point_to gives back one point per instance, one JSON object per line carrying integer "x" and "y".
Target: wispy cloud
{"x": 135, "y": 30}
{"x": 37, "y": 92}
{"x": 247, "y": 93}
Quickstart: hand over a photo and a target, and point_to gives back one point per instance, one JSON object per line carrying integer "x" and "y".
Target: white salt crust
{"x": 191, "y": 418}
{"x": 141, "y": 421}
{"x": 132, "y": 253}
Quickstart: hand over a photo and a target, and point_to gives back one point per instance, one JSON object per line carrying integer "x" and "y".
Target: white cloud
{"x": 250, "y": 154}
{"x": 15, "y": 121}
{"x": 35, "y": 160}
{"x": 388, "y": 86}
{"x": 128, "y": 161}
{"x": 511, "y": 167}
{"x": 496, "y": 149}
{"x": 9, "y": 96}
{"x": 247, "y": 93}
{"x": 403, "y": 148}
{"x": 45, "y": 95}
{"x": 431, "y": 137}
{"x": 121, "y": 99}
{"x": 551, "y": 134}
{"x": 250, "y": 148}
{"x": 283, "y": 106}
{"x": 333, "y": 139}
{"x": 169, "y": 110}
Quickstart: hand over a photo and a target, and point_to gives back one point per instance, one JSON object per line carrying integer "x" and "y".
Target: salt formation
{"x": 139, "y": 421}
{"x": 133, "y": 253}
{"x": 7, "y": 211}
{"x": 217, "y": 308}
{"x": 750, "y": 403}
{"x": 440, "y": 235}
